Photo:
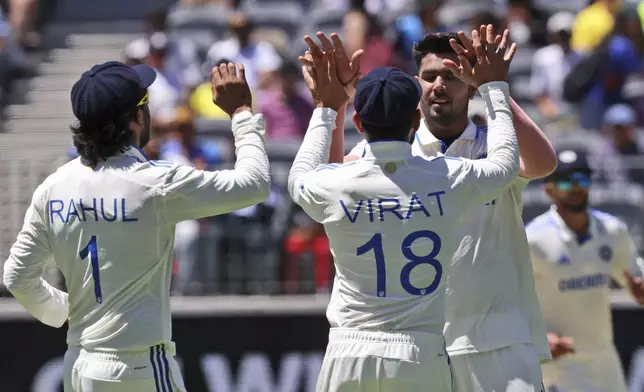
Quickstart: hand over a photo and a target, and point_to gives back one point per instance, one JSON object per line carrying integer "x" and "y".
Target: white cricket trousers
{"x": 514, "y": 368}
{"x": 150, "y": 370}
{"x": 369, "y": 361}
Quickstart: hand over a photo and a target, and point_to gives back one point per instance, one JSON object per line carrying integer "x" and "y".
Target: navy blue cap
{"x": 572, "y": 160}
{"x": 387, "y": 97}
{"x": 110, "y": 88}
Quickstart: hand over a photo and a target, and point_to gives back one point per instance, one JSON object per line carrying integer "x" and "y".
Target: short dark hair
{"x": 374, "y": 133}
{"x": 436, "y": 43}
{"x": 95, "y": 141}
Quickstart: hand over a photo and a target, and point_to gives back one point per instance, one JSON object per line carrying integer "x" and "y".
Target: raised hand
{"x": 229, "y": 89}
{"x": 635, "y": 286}
{"x": 321, "y": 76}
{"x": 348, "y": 71}
{"x": 560, "y": 345}
{"x": 492, "y": 61}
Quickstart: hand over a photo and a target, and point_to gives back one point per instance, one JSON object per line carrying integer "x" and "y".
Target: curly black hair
{"x": 96, "y": 141}
{"x": 437, "y": 43}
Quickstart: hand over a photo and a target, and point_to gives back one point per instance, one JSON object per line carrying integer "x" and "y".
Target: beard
{"x": 446, "y": 117}
{"x": 577, "y": 207}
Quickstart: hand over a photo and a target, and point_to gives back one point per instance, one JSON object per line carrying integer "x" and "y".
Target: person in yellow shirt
{"x": 593, "y": 24}
{"x": 200, "y": 100}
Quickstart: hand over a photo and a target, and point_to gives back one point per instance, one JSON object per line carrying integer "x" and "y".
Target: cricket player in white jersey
{"x": 494, "y": 329}
{"x": 108, "y": 219}
{"x": 392, "y": 222}
{"x": 575, "y": 253}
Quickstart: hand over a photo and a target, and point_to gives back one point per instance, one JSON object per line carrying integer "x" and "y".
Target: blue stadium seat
{"x": 209, "y": 18}
{"x": 284, "y": 14}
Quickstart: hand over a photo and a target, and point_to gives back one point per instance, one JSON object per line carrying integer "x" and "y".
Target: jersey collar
{"x": 424, "y": 137}
{"x": 388, "y": 150}
{"x": 568, "y": 235}
{"x": 137, "y": 153}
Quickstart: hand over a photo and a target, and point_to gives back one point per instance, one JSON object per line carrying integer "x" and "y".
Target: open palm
{"x": 347, "y": 69}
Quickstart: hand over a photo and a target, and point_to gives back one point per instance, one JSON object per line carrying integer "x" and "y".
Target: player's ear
{"x": 140, "y": 116}
{"x": 415, "y": 122}
{"x": 472, "y": 91}
{"x": 357, "y": 123}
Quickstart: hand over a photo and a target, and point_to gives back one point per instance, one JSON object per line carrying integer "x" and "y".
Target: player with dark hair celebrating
{"x": 494, "y": 329}
{"x": 108, "y": 219}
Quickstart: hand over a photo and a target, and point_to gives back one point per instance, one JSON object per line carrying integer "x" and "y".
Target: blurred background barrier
{"x": 242, "y": 344}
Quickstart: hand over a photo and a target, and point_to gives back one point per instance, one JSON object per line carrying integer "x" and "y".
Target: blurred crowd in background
{"x": 578, "y": 72}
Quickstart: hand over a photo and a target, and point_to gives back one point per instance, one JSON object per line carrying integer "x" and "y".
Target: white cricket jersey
{"x": 391, "y": 219}
{"x": 491, "y": 301}
{"x": 572, "y": 275}
{"x": 111, "y": 233}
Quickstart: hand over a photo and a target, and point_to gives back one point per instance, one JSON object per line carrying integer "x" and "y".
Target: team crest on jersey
{"x": 605, "y": 253}
{"x": 563, "y": 260}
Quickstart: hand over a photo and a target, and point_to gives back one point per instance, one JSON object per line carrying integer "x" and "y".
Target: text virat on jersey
{"x": 381, "y": 209}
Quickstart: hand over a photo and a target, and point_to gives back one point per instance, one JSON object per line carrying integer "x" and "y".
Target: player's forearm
{"x": 314, "y": 150}
{"x": 46, "y": 303}
{"x": 502, "y": 144}
{"x": 538, "y": 157}
{"x": 252, "y": 169}
{"x": 336, "y": 154}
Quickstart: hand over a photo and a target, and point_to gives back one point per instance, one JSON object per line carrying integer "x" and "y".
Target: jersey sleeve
{"x": 482, "y": 179}
{"x": 626, "y": 257}
{"x": 188, "y": 193}
{"x": 304, "y": 180}
{"x": 24, "y": 268}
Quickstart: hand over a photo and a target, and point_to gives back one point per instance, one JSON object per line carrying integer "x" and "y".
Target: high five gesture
{"x": 492, "y": 62}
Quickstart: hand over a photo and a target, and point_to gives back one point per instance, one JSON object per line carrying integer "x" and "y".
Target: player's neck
{"x": 451, "y": 131}
{"x": 578, "y": 222}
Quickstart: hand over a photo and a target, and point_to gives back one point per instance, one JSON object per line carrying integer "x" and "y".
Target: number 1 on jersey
{"x": 375, "y": 243}
{"x": 91, "y": 250}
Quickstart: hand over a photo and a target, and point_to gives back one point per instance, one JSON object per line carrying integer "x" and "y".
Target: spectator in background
{"x": 181, "y": 55}
{"x": 551, "y": 64}
{"x": 527, "y": 23}
{"x": 22, "y": 16}
{"x": 622, "y": 145}
{"x": 287, "y": 109}
{"x": 157, "y": 59}
{"x": 164, "y": 94}
{"x": 362, "y": 31}
{"x": 413, "y": 27}
{"x": 182, "y": 143}
{"x": 486, "y": 18}
{"x": 624, "y": 48}
{"x": 182, "y": 147}
{"x": 306, "y": 242}
{"x": 259, "y": 58}
{"x": 136, "y": 52}
{"x": 593, "y": 24}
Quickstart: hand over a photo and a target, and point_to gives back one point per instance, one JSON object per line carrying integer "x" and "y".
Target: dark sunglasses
{"x": 566, "y": 184}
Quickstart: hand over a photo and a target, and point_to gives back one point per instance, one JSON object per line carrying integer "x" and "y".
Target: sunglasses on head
{"x": 145, "y": 100}
{"x": 581, "y": 179}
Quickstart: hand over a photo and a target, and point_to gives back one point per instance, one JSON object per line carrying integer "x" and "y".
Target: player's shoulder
{"x": 609, "y": 223}
{"x": 334, "y": 173}
{"x": 540, "y": 227}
